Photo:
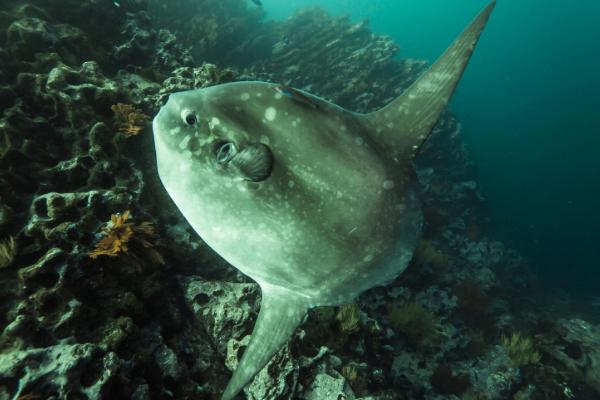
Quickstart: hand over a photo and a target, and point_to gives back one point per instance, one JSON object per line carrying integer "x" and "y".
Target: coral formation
{"x": 428, "y": 255}
{"x": 186, "y": 78}
{"x": 472, "y": 300}
{"x": 493, "y": 376}
{"x": 520, "y": 349}
{"x": 413, "y": 321}
{"x": 444, "y": 381}
{"x": 119, "y": 235}
{"x": 349, "y": 318}
{"x": 129, "y": 120}
{"x": 8, "y": 251}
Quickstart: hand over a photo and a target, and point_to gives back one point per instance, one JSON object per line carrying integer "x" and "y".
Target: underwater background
{"x": 106, "y": 292}
{"x": 528, "y": 103}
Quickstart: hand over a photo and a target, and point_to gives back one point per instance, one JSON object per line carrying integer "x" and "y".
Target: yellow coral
{"x": 349, "y": 318}
{"x": 8, "y": 251}
{"x": 520, "y": 349}
{"x": 119, "y": 233}
{"x": 129, "y": 120}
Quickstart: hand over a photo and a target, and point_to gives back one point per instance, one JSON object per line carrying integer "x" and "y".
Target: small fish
{"x": 257, "y": 2}
{"x": 295, "y": 95}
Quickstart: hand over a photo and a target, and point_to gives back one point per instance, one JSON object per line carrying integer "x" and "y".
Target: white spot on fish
{"x": 214, "y": 121}
{"x": 183, "y": 144}
{"x": 245, "y": 96}
{"x": 359, "y": 141}
{"x": 185, "y": 167}
{"x": 368, "y": 258}
{"x": 291, "y": 184}
{"x": 270, "y": 113}
{"x": 278, "y": 96}
{"x": 387, "y": 185}
{"x": 264, "y": 139}
{"x": 175, "y": 131}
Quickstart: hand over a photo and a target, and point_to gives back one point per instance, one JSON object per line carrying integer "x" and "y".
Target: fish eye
{"x": 188, "y": 117}
{"x": 225, "y": 152}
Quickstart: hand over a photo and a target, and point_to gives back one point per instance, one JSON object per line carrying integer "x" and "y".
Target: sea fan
{"x": 129, "y": 120}
{"x": 120, "y": 233}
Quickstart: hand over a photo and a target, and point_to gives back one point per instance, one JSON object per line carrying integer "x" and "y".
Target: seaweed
{"x": 355, "y": 377}
{"x": 348, "y": 318}
{"x": 428, "y": 254}
{"x": 129, "y": 120}
{"x": 520, "y": 349}
{"x": 8, "y": 252}
{"x": 415, "y": 322}
{"x": 119, "y": 234}
{"x": 472, "y": 300}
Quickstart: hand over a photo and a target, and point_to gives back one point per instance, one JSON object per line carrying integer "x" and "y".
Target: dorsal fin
{"x": 405, "y": 123}
{"x": 281, "y": 311}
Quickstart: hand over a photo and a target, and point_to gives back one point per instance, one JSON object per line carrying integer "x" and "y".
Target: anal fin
{"x": 281, "y": 312}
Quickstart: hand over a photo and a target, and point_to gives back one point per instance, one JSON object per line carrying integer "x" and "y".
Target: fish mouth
{"x": 253, "y": 162}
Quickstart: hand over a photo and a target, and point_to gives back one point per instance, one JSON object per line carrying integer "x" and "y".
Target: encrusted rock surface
{"x": 129, "y": 327}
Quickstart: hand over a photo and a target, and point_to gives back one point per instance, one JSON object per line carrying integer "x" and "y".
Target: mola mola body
{"x": 315, "y": 203}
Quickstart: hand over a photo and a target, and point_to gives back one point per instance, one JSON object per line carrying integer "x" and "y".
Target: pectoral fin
{"x": 281, "y": 311}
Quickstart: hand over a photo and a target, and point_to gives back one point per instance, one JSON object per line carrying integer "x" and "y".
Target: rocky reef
{"x": 107, "y": 293}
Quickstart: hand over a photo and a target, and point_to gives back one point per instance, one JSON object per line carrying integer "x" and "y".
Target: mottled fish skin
{"x": 316, "y": 204}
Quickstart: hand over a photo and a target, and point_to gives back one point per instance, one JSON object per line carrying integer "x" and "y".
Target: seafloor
{"x": 141, "y": 308}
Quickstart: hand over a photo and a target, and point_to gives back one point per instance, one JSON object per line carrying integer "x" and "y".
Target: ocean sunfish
{"x": 315, "y": 203}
